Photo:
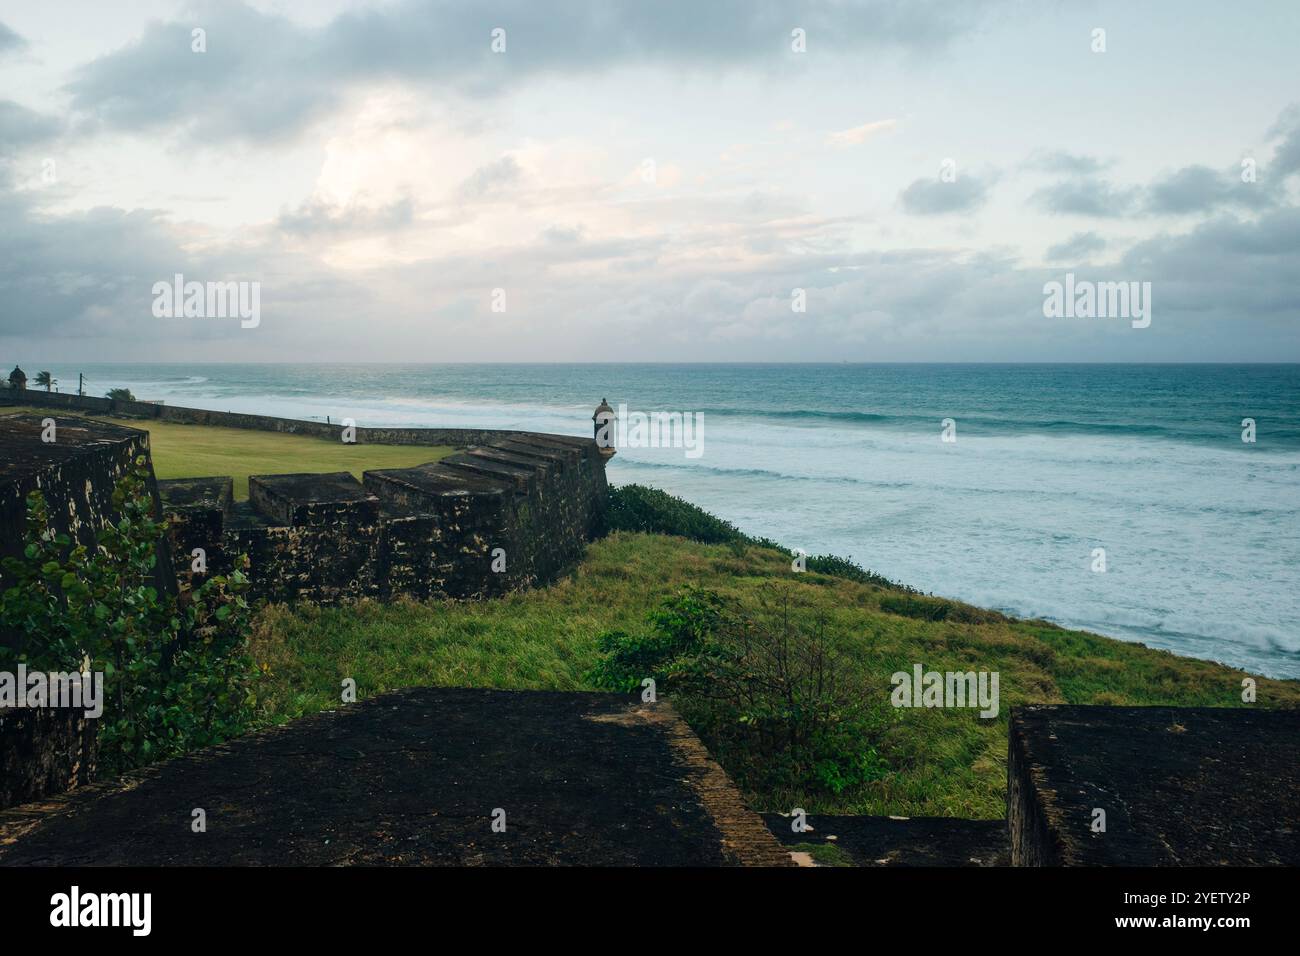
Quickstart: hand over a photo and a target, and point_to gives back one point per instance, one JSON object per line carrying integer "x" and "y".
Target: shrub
{"x": 120, "y": 394}
{"x": 837, "y": 567}
{"x": 638, "y": 508}
{"x": 765, "y": 689}
{"x": 176, "y": 670}
{"x": 651, "y": 511}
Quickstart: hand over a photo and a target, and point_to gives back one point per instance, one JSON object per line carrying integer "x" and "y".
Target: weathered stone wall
{"x": 1032, "y": 841}
{"x": 76, "y": 472}
{"x": 44, "y": 751}
{"x": 429, "y": 531}
{"x": 426, "y": 532}
{"x": 539, "y": 498}
{"x": 458, "y": 437}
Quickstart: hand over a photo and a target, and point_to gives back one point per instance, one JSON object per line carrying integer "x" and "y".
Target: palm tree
{"x": 46, "y": 379}
{"x": 121, "y": 394}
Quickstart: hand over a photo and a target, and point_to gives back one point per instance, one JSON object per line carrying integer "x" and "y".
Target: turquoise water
{"x": 1201, "y": 531}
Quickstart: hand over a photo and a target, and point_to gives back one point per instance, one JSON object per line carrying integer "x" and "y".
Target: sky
{"x": 601, "y": 180}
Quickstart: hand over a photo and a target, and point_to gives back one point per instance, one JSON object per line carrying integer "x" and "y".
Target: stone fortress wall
{"x": 510, "y": 513}
{"x": 429, "y": 531}
{"x": 512, "y": 510}
{"x": 116, "y": 408}
{"x": 48, "y": 750}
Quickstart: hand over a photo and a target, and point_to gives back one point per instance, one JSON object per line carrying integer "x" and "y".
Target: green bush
{"x": 177, "y": 674}
{"x": 651, "y": 511}
{"x": 764, "y": 688}
{"x": 837, "y": 567}
{"x": 638, "y": 508}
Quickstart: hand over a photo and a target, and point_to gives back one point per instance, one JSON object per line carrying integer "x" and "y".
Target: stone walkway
{"x": 414, "y": 777}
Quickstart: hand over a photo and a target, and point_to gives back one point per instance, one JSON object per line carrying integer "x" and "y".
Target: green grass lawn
{"x": 196, "y": 451}
{"x": 941, "y": 762}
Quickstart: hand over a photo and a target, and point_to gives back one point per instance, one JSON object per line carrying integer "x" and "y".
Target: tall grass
{"x": 939, "y": 762}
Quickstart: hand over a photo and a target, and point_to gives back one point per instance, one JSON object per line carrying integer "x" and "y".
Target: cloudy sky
{"x": 649, "y": 181}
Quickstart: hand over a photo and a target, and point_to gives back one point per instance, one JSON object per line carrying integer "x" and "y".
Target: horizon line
{"x": 665, "y": 362}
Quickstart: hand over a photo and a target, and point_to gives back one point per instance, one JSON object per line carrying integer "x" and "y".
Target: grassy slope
{"x": 944, "y": 762}
{"x": 195, "y": 451}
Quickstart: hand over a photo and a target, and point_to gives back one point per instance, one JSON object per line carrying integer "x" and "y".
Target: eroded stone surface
{"x": 76, "y": 472}
{"x": 1184, "y": 786}
{"x": 44, "y": 750}
{"x": 507, "y": 514}
{"x": 413, "y": 777}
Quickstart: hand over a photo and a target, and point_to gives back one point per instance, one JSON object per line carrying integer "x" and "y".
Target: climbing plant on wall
{"x": 176, "y": 669}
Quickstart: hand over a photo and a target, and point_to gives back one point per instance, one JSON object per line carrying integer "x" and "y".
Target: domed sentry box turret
{"x": 604, "y": 419}
{"x": 17, "y": 379}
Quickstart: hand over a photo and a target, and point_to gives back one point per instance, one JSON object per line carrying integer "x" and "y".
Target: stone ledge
{"x": 24, "y": 455}
{"x": 298, "y": 500}
{"x": 1180, "y": 786}
{"x": 204, "y": 494}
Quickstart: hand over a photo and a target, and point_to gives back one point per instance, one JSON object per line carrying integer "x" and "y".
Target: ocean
{"x": 1201, "y": 530}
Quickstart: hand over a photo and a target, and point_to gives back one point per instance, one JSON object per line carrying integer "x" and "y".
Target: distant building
{"x": 17, "y": 379}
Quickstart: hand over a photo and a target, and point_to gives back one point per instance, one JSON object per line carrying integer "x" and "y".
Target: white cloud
{"x": 380, "y": 197}
{"x": 860, "y": 134}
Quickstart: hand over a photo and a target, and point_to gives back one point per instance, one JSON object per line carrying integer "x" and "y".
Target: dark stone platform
{"x": 902, "y": 841}
{"x": 405, "y": 490}
{"x": 76, "y": 473}
{"x": 311, "y": 499}
{"x": 215, "y": 493}
{"x": 1180, "y": 786}
{"x": 24, "y": 454}
{"x": 412, "y": 777}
